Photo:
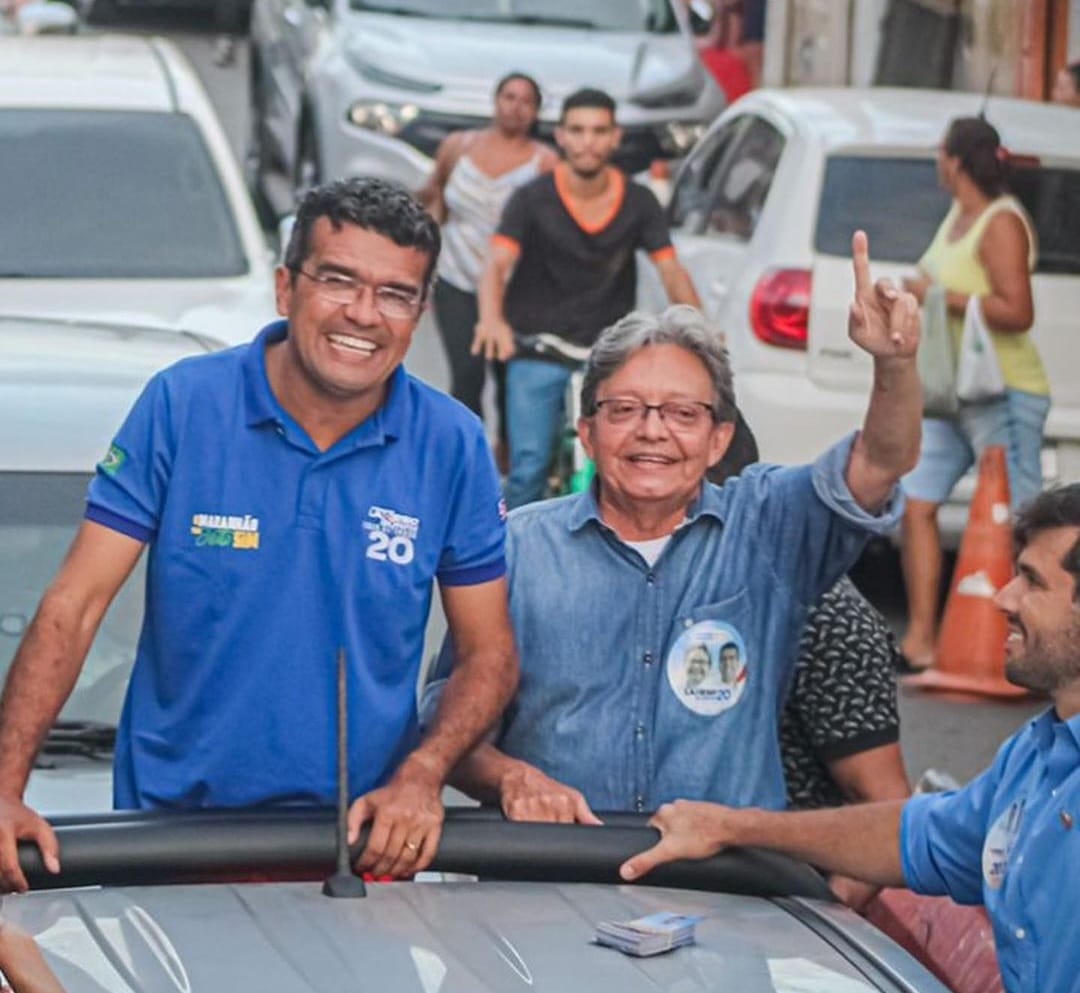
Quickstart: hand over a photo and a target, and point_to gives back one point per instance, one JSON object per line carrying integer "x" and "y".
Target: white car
{"x": 121, "y": 198}
{"x": 65, "y": 388}
{"x": 370, "y": 87}
{"x": 762, "y": 214}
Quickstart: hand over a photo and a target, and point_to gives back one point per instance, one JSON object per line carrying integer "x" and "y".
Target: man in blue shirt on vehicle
{"x": 657, "y": 615}
{"x": 298, "y": 494}
{"x": 1010, "y": 838}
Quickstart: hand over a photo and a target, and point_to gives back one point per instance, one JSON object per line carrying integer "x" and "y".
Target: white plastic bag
{"x": 978, "y": 372}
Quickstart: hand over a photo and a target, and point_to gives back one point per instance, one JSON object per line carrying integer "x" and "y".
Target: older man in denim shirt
{"x": 657, "y": 615}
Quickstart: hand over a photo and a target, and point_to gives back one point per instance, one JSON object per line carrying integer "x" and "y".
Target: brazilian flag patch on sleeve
{"x": 114, "y": 460}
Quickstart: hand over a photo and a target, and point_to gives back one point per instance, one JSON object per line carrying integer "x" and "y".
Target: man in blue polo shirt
{"x": 1010, "y": 838}
{"x": 298, "y": 494}
{"x": 657, "y": 615}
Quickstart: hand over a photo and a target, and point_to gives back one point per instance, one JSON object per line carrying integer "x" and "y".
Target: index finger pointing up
{"x": 860, "y": 257}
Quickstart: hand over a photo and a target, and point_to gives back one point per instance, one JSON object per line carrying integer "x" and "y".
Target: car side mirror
{"x": 702, "y": 16}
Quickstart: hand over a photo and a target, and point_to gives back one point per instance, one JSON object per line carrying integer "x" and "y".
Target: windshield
{"x": 600, "y": 15}
{"x": 110, "y": 194}
{"x": 39, "y": 513}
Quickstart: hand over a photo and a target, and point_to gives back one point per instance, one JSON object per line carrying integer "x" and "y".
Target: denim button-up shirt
{"x": 641, "y": 684}
{"x": 1010, "y": 839}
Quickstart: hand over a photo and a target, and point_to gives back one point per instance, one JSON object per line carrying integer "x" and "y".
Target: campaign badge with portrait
{"x": 707, "y": 667}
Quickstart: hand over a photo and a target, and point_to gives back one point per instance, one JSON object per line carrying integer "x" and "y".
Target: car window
{"x": 1051, "y": 196}
{"x": 603, "y": 15}
{"x": 692, "y": 192}
{"x": 39, "y": 513}
{"x": 897, "y": 201}
{"x": 743, "y": 179}
{"x": 900, "y": 205}
{"x": 100, "y": 194}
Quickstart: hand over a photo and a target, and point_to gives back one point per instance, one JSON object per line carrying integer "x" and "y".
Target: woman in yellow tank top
{"x": 984, "y": 248}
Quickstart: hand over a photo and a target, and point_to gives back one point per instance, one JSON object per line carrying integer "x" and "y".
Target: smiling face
{"x": 339, "y": 354}
{"x": 1042, "y": 651}
{"x": 649, "y": 465}
{"x": 588, "y": 137}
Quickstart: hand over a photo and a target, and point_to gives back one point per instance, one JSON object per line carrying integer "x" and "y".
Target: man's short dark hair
{"x": 375, "y": 205}
{"x": 1058, "y": 507}
{"x": 588, "y": 97}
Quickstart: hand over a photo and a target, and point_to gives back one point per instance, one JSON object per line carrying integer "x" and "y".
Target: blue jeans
{"x": 535, "y": 390}
{"x": 950, "y": 447}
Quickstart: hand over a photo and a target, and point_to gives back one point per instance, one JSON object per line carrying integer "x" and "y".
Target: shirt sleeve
{"x": 942, "y": 837}
{"x": 514, "y": 222}
{"x": 475, "y": 548}
{"x": 129, "y": 485}
{"x": 845, "y": 691}
{"x": 655, "y": 236}
{"x": 807, "y": 522}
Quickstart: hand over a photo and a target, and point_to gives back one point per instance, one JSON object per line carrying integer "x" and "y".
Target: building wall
{"x": 1006, "y": 47}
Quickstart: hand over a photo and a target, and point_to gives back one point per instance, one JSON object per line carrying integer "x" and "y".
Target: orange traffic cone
{"x": 970, "y": 652}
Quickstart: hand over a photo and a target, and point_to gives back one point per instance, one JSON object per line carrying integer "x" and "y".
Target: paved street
{"x": 960, "y": 737}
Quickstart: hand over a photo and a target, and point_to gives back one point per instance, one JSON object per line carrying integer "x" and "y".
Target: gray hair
{"x": 679, "y": 325}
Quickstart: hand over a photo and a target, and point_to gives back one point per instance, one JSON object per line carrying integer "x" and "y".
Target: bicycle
{"x": 572, "y": 470}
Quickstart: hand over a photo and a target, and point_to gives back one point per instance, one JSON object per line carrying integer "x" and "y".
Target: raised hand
{"x": 882, "y": 320}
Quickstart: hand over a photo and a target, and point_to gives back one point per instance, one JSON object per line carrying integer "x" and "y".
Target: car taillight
{"x": 780, "y": 307}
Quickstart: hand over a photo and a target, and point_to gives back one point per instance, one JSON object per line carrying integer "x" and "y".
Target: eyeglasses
{"x": 685, "y": 414}
{"x": 390, "y": 301}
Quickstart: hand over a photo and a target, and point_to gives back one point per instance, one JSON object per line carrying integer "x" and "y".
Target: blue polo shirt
{"x": 265, "y": 556}
{"x": 640, "y": 683}
{"x": 1010, "y": 839}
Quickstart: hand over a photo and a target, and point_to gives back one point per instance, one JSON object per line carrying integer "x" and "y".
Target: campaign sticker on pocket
{"x": 1000, "y": 841}
{"x": 707, "y": 667}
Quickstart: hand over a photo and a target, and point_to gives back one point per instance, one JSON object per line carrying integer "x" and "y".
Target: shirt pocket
{"x": 712, "y": 655}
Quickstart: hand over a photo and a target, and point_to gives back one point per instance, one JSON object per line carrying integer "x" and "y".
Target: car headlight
{"x": 381, "y": 117}
{"x": 678, "y": 137}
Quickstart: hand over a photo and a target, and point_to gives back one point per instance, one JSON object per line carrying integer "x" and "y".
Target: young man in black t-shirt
{"x": 562, "y": 263}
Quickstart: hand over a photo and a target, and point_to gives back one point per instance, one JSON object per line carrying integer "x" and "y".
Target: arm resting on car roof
{"x": 407, "y": 813}
{"x": 862, "y": 841}
{"x": 522, "y": 791}
{"x": 46, "y": 667}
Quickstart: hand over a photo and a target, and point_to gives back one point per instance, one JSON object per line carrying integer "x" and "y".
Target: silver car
{"x": 122, "y": 200}
{"x": 370, "y": 87}
{"x": 182, "y": 903}
{"x": 65, "y": 387}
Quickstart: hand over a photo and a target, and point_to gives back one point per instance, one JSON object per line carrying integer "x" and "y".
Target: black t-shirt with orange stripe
{"x": 569, "y": 279}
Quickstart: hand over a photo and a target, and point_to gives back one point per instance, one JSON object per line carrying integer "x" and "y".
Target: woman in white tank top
{"x": 475, "y": 173}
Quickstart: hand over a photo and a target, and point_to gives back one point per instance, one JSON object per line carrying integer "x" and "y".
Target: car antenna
{"x": 344, "y": 883}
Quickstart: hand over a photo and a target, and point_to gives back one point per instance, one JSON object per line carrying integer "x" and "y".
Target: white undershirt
{"x": 651, "y": 548}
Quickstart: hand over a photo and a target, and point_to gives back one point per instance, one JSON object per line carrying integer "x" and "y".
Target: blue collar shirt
{"x": 642, "y": 684}
{"x": 266, "y": 555}
{"x": 1010, "y": 840}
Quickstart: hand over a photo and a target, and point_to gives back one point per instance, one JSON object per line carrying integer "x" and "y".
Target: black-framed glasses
{"x": 393, "y": 302}
{"x": 685, "y": 414}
